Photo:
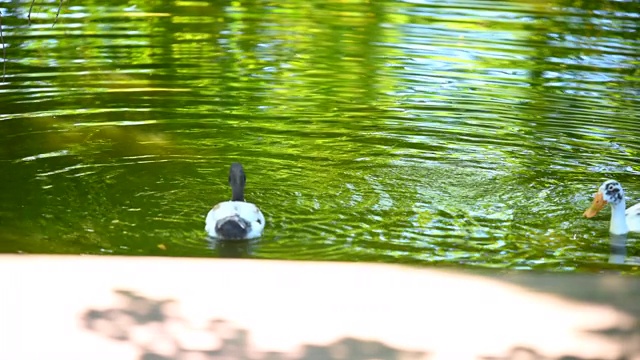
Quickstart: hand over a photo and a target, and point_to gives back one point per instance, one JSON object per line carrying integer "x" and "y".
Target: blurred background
{"x": 454, "y": 133}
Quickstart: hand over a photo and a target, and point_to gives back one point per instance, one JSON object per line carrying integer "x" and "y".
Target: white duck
{"x": 235, "y": 219}
{"x": 622, "y": 221}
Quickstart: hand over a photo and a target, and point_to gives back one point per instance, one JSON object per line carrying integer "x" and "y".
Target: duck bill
{"x": 598, "y": 204}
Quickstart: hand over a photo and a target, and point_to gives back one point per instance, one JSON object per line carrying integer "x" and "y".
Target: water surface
{"x": 458, "y": 133}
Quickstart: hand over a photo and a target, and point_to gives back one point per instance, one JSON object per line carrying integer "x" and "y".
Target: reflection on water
{"x": 619, "y": 253}
{"x": 233, "y": 249}
{"x": 618, "y": 249}
{"x": 467, "y": 133}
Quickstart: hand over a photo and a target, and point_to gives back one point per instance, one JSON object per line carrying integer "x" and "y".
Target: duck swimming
{"x": 235, "y": 219}
{"x": 622, "y": 221}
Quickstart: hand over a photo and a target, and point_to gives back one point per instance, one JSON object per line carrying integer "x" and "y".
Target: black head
{"x": 237, "y": 180}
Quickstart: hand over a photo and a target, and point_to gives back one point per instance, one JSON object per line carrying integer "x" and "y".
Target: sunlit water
{"x": 458, "y": 133}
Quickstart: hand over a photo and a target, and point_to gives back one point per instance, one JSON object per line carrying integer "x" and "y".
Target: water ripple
{"x": 461, "y": 133}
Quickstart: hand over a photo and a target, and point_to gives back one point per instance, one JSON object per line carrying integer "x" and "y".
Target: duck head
{"x": 237, "y": 180}
{"x": 609, "y": 192}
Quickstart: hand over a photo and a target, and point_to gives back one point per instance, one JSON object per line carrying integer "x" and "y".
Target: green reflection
{"x": 457, "y": 134}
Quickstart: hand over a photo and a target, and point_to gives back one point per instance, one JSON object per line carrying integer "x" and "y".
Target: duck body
{"x": 632, "y": 215}
{"x": 235, "y": 219}
{"x": 623, "y": 220}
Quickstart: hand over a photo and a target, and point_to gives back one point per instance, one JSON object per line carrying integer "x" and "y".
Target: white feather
{"x": 633, "y": 218}
{"x": 622, "y": 221}
{"x": 245, "y": 210}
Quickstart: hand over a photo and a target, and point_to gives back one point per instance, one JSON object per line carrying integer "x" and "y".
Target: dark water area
{"x": 457, "y": 133}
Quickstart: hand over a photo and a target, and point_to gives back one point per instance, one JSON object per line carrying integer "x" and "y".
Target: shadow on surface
{"x": 620, "y": 292}
{"x": 159, "y": 332}
{"x": 155, "y": 328}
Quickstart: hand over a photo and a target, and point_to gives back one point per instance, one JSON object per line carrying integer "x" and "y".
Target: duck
{"x": 622, "y": 221}
{"x": 235, "y": 219}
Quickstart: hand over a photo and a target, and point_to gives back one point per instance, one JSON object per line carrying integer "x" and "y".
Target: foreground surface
{"x": 160, "y": 308}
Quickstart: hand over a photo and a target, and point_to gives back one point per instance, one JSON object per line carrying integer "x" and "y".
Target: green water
{"x": 458, "y": 133}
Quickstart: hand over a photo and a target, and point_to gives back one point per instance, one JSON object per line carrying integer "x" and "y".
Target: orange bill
{"x": 598, "y": 204}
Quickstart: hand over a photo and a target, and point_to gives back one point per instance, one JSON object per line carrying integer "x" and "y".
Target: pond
{"x": 459, "y": 133}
